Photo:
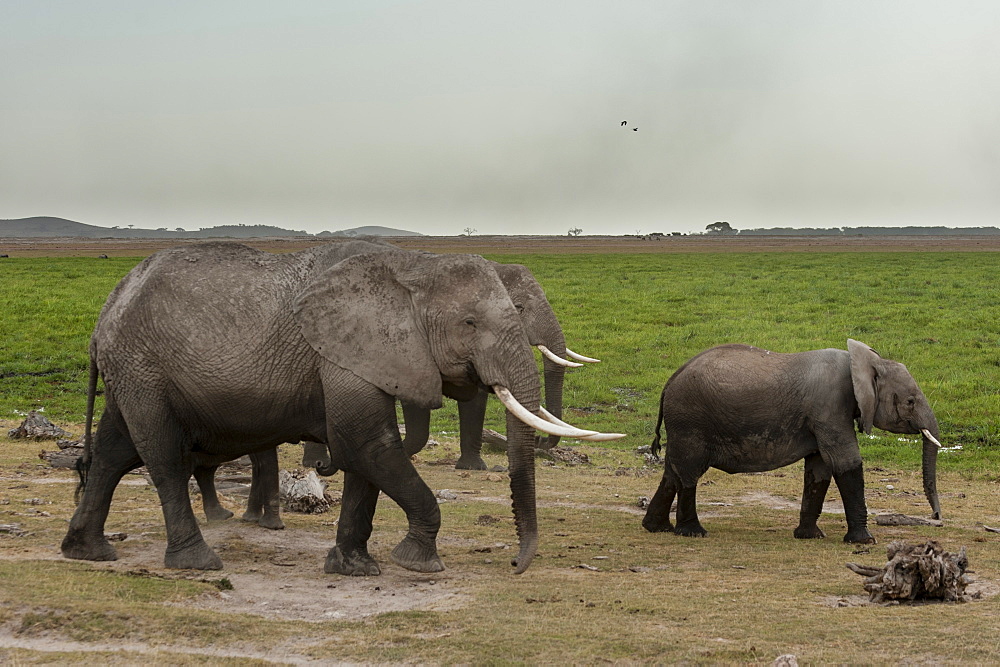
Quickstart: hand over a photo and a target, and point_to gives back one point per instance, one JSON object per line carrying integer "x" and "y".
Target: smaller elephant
{"x": 743, "y": 409}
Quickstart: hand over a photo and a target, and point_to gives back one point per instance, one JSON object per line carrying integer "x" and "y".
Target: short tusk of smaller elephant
{"x": 579, "y": 357}
{"x": 533, "y": 420}
{"x": 927, "y": 434}
{"x": 556, "y": 358}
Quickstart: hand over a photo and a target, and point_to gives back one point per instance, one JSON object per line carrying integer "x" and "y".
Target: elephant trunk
{"x": 555, "y": 375}
{"x": 521, "y": 464}
{"x": 930, "y": 468}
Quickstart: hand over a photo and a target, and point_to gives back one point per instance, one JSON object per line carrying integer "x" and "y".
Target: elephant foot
{"x": 76, "y": 546}
{"x": 691, "y": 529}
{"x": 470, "y": 463}
{"x": 197, "y": 557}
{"x": 859, "y": 536}
{"x": 356, "y": 563}
{"x": 657, "y": 524}
{"x": 217, "y": 513}
{"x": 812, "y": 532}
{"x": 269, "y": 520}
{"x": 417, "y": 555}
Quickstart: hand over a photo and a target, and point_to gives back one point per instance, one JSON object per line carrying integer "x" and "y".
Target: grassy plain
{"x": 747, "y": 593}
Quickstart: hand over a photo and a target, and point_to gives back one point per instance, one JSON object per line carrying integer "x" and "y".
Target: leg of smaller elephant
{"x": 112, "y": 455}
{"x": 357, "y": 509}
{"x": 471, "y": 417}
{"x": 851, "y": 484}
{"x": 418, "y": 428}
{"x": 263, "y": 504}
{"x": 657, "y": 517}
{"x": 687, "y": 513}
{"x": 816, "y": 481}
{"x": 205, "y": 477}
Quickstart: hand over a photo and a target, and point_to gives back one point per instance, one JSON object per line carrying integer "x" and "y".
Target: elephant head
{"x": 544, "y": 332}
{"x": 889, "y": 398}
{"x": 408, "y": 323}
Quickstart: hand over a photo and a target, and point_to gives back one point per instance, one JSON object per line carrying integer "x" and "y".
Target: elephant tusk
{"x": 601, "y": 437}
{"x": 556, "y": 358}
{"x": 579, "y": 357}
{"x": 927, "y": 434}
{"x": 598, "y": 437}
{"x": 533, "y": 420}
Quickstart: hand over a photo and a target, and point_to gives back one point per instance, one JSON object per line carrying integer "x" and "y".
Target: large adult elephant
{"x": 219, "y": 350}
{"x": 543, "y": 331}
{"x": 743, "y": 409}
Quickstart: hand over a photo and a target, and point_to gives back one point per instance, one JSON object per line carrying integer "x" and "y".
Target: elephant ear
{"x": 864, "y": 378}
{"x": 359, "y": 315}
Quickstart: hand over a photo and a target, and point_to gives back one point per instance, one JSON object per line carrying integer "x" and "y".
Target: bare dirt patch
{"x": 82, "y": 247}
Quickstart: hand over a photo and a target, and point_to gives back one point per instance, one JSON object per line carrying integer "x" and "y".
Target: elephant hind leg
{"x": 687, "y": 513}
{"x": 657, "y": 519}
{"x": 205, "y": 477}
{"x": 815, "y": 483}
{"x": 263, "y": 503}
{"x": 112, "y": 455}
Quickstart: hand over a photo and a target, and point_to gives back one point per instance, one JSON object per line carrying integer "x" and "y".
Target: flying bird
{"x": 635, "y": 129}
{"x": 624, "y": 123}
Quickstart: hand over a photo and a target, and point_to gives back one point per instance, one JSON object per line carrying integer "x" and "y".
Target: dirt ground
{"x": 81, "y": 247}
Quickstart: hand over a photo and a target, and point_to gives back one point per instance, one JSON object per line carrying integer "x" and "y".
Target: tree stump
{"x": 36, "y": 427}
{"x": 304, "y": 492}
{"x": 921, "y": 571}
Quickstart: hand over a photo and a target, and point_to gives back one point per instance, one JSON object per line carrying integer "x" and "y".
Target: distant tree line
{"x": 871, "y": 231}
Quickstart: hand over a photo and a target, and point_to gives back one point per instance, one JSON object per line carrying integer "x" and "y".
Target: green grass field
{"x": 643, "y": 315}
{"x": 602, "y": 589}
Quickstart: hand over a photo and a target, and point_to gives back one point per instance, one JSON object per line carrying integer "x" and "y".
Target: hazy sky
{"x": 501, "y": 116}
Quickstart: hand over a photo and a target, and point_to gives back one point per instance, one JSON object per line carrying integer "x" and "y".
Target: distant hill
{"x": 48, "y": 227}
{"x": 371, "y": 231}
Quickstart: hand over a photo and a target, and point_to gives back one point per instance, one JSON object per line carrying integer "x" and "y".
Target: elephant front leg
{"x": 816, "y": 481}
{"x": 472, "y": 416}
{"x": 263, "y": 503}
{"x": 357, "y": 509}
{"x": 851, "y": 484}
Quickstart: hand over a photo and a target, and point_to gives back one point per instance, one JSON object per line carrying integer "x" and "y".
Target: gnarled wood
{"x": 921, "y": 571}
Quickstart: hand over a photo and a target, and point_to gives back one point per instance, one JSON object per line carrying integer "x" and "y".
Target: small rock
{"x": 643, "y": 502}
{"x": 446, "y": 494}
{"x": 787, "y": 660}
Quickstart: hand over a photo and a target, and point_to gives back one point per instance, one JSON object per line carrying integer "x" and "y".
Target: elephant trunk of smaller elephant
{"x": 931, "y": 445}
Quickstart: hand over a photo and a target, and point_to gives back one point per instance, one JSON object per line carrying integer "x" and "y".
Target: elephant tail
{"x": 654, "y": 448}
{"x": 83, "y": 462}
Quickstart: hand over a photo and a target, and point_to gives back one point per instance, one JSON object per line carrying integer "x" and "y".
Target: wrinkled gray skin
{"x": 542, "y": 328}
{"x": 742, "y": 409}
{"x": 217, "y": 350}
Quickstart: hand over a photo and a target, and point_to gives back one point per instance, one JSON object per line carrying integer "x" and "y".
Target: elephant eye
{"x": 520, "y": 307}
{"x": 471, "y": 322}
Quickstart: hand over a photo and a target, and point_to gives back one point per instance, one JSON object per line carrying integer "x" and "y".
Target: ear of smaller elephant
{"x": 864, "y": 374}
{"x": 359, "y": 317}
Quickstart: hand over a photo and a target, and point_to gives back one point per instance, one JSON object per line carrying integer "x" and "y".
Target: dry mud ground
{"x": 80, "y": 247}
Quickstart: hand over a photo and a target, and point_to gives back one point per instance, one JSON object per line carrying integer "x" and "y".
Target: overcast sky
{"x": 504, "y": 117}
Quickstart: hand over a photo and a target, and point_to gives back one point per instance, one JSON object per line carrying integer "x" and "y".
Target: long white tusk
{"x": 927, "y": 434}
{"x": 579, "y": 357}
{"x": 556, "y": 358}
{"x": 533, "y": 420}
{"x": 599, "y": 437}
